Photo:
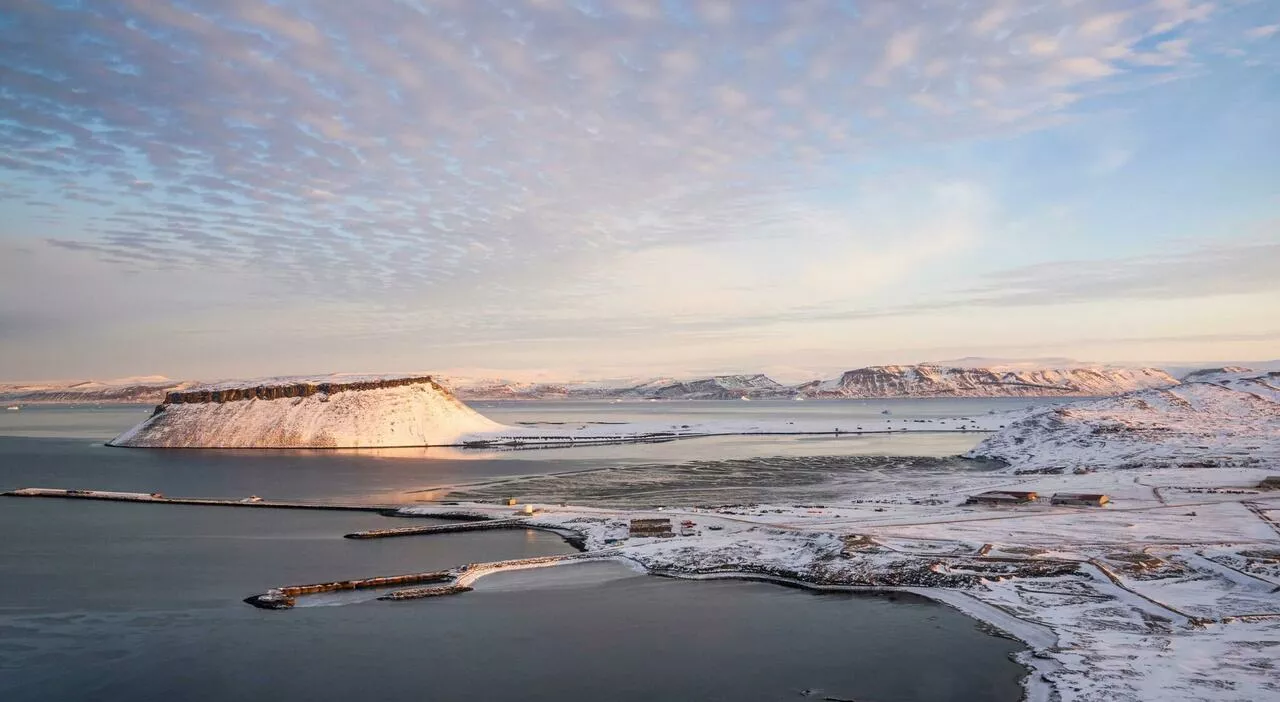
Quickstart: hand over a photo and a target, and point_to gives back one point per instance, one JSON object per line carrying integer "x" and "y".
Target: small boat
{"x": 744, "y": 398}
{"x": 885, "y": 412}
{"x": 799, "y": 398}
{"x": 14, "y": 408}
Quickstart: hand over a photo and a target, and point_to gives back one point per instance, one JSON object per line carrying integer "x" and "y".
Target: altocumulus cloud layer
{"x": 253, "y": 186}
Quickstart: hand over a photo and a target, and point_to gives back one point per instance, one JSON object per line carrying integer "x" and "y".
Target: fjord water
{"x": 124, "y": 601}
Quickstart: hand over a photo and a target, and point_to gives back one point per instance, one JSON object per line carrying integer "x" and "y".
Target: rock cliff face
{"x": 328, "y": 412}
{"x": 284, "y": 388}
{"x": 939, "y": 381}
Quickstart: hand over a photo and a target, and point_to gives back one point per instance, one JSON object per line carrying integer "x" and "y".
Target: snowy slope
{"x": 940, "y": 381}
{"x": 316, "y": 412}
{"x": 1223, "y": 418}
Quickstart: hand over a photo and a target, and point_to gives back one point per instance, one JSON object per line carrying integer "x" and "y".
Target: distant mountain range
{"x": 923, "y": 380}
{"x": 147, "y": 390}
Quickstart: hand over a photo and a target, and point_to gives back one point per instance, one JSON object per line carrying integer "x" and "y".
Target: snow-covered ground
{"x": 1169, "y": 592}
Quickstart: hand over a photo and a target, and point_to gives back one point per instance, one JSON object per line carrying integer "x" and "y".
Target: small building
{"x": 1271, "y": 482}
{"x": 512, "y": 502}
{"x": 1002, "y": 497}
{"x": 1079, "y": 499}
{"x": 644, "y": 528}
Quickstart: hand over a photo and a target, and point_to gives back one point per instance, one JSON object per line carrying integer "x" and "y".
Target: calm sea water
{"x": 117, "y": 601}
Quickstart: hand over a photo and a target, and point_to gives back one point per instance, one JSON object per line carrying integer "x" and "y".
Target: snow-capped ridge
{"x": 927, "y": 380}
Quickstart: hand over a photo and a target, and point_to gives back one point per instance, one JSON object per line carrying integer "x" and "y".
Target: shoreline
{"x": 1034, "y": 636}
{"x": 506, "y": 443}
{"x": 835, "y": 554}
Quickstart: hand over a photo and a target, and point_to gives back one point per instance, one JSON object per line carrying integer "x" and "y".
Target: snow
{"x": 1170, "y": 592}
{"x": 639, "y": 431}
{"x": 937, "y": 381}
{"x": 1227, "y": 419}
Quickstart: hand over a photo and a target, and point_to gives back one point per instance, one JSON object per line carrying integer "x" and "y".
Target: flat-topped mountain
{"x": 340, "y": 411}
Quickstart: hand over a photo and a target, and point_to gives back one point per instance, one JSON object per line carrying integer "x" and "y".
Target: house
{"x": 651, "y": 527}
{"x": 1079, "y": 499}
{"x": 1002, "y": 497}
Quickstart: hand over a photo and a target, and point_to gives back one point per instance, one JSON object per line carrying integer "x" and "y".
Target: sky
{"x": 592, "y": 188}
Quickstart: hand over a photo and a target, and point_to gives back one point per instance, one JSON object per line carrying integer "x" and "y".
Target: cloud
{"x": 442, "y": 162}
{"x": 1263, "y": 31}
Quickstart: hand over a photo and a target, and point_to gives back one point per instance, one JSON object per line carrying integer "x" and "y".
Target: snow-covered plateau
{"x": 1170, "y": 591}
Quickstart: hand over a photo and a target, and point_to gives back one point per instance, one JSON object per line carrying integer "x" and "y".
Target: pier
{"x": 157, "y": 498}
{"x": 285, "y": 597}
{"x": 480, "y": 525}
{"x": 435, "y": 583}
{"x": 438, "y": 583}
{"x": 420, "y": 593}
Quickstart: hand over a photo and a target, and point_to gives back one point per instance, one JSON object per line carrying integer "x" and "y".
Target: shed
{"x": 651, "y": 527}
{"x": 1079, "y": 499}
{"x": 1002, "y": 497}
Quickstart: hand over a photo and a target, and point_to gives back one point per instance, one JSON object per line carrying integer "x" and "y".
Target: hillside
{"x": 1217, "y": 419}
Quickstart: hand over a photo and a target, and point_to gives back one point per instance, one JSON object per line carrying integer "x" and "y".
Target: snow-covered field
{"x": 1169, "y": 592}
